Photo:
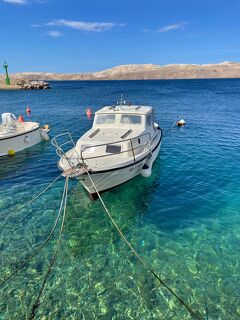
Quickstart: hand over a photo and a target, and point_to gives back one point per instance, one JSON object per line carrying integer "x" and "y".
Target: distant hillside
{"x": 142, "y": 71}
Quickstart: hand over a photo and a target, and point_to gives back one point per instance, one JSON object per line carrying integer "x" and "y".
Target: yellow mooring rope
{"x": 189, "y": 309}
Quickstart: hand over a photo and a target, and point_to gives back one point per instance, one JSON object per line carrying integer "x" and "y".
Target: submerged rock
{"x": 192, "y": 265}
{"x": 73, "y": 242}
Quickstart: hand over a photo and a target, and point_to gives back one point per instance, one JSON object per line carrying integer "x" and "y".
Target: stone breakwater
{"x": 26, "y": 85}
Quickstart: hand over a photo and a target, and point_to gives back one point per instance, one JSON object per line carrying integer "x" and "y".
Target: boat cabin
{"x": 124, "y": 116}
{"x": 118, "y": 123}
{"x": 123, "y": 131}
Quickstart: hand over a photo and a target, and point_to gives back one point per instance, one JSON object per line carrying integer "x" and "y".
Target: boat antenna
{"x": 121, "y": 101}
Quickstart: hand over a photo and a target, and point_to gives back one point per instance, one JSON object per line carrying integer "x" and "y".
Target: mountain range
{"x": 141, "y": 72}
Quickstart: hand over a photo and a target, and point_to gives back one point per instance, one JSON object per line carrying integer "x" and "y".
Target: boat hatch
{"x": 113, "y": 149}
{"x": 94, "y": 133}
{"x": 126, "y": 134}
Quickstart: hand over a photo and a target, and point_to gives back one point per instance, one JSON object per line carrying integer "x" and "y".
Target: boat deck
{"x": 19, "y": 129}
{"x": 100, "y": 149}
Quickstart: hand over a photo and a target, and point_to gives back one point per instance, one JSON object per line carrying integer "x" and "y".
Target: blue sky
{"x": 87, "y": 35}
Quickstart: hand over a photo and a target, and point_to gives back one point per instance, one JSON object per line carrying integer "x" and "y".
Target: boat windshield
{"x": 105, "y": 119}
{"x": 149, "y": 120}
{"x": 130, "y": 119}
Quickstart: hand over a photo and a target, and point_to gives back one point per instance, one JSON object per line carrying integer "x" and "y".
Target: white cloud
{"x": 84, "y": 26}
{"x": 171, "y": 27}
{"x": 55, "y": 34}
{"x": 145, "y": 30}
{"x": 21, "y": 2}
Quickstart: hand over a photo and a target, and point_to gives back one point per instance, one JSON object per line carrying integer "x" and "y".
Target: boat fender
{"x": 146, "y": 170}
{"x": 181, "y": 123}
{"x": 11, "y": 152}
{"x": 27, "y": 139}
{"x": 44, "y": 134}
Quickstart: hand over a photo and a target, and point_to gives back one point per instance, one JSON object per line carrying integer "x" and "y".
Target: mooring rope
{"x": 168, "y": 130}
{"x": 189, "y": 309}
{"x": 32, "y": 200}
{"x": 43, "y": 244}
{"x": 54, "y": 257}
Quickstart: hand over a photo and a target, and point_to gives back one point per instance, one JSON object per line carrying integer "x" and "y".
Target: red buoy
{"x": 28, "y": 110}
{"x": 20, "y": 118}
{"x": 89, "y": 112}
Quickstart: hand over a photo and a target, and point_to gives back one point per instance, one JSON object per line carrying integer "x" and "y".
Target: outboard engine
{"x": 9, "y": 121}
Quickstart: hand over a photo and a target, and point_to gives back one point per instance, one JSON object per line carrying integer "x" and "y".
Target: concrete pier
{"x": 25, "y": 85}
{"x": 9, "y": 87}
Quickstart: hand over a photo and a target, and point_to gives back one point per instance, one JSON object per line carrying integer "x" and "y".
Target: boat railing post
{"x": 71, "y": 139}
{"x": 132, "y": 150}
{"x": 82, "y": 157}
{"x": 58, "y": 145}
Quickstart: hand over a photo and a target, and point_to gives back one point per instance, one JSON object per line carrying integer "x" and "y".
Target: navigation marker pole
{"x": 5, "y": 66}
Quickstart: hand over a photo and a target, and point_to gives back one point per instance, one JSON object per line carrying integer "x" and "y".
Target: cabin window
{"x": 149, "y": 120}
{"x": 113, "y": 149}
{"x": 105, "y": 119}
{"x": 131, "y": 119}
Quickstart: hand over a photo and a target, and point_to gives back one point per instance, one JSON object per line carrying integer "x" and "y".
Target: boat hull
{"x": 109, "y": 179}
{"x": 20, "y": 142}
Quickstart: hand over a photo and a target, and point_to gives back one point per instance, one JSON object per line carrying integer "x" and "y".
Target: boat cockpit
{"x": 11, "y": 127}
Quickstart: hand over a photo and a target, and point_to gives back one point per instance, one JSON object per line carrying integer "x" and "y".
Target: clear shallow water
{"x": 184, "y": 219}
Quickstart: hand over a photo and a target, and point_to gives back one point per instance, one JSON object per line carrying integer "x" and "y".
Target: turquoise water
{"x": 184, "y": 220}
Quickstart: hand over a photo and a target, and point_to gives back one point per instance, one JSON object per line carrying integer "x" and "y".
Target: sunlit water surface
{"x": 184, "y": 220}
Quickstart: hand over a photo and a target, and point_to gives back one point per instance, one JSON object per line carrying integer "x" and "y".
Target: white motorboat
{"x": 123, "y": 142}
{"x": 16, "y": 136}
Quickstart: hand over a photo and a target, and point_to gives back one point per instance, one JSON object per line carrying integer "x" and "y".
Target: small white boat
{"x": 16, "y": 136}
{"x": 123, "y": 142}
